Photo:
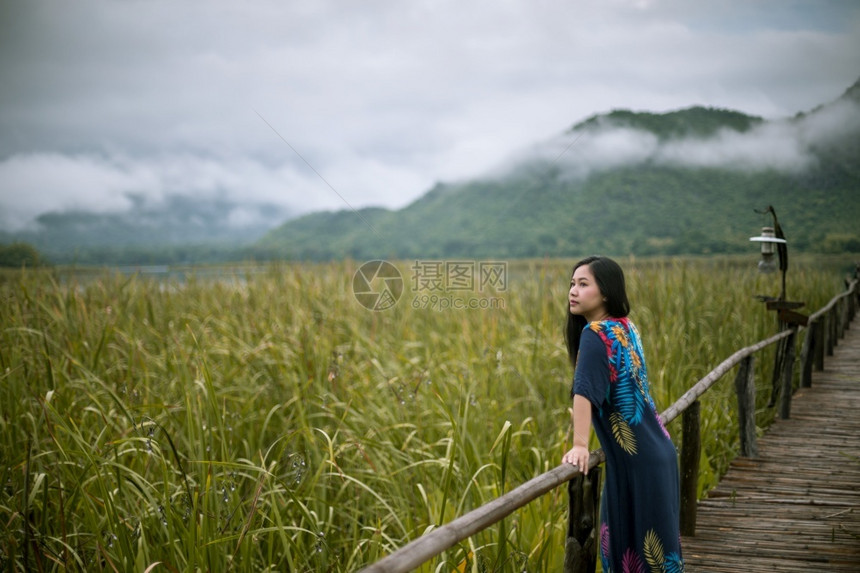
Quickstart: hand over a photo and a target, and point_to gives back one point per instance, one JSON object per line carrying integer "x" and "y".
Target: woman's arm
{"x": 579, "y": 454}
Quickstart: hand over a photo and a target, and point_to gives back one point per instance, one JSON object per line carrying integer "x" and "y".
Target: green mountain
{"x": 684, "y": 182}
{"x": 624, "y": 182}
{"x": 178, "y": 230}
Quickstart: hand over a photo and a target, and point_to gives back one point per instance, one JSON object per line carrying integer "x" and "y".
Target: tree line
{"x": 18, "y": 255}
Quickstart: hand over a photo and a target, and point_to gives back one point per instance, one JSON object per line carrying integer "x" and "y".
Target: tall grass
{"x": 267, "y": 421}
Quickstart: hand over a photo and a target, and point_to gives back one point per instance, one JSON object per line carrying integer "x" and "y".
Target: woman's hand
{"x": 578, "y": 456}
{"x": 581, "y": 419}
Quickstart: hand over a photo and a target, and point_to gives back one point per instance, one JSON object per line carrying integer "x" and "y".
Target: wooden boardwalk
{"x": 796, "y": 507}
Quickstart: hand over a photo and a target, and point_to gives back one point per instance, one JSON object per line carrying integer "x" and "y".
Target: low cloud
{"x": 35, "y": 183}
{"x": 38, "y": 183}
{"x": 782, "y": 145}
{"x": 773, "y": 146}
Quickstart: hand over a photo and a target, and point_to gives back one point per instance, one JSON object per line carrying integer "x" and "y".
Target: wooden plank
{"x": 795, "y": 507}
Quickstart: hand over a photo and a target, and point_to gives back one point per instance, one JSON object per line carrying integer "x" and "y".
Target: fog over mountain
{"x": 681, "y": 182}
{"x": 785, "y": 145}
{"x": 656, "y": 161}
{"x": 117, "y": 184}
{"x": 271, "y": 109}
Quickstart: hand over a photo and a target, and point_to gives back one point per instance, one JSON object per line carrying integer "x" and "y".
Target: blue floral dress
{"x": 639, "y": 513}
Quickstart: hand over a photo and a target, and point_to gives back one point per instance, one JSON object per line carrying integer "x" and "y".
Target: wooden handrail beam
{"x": 702, "y": 385}
{"x": 852, "y": 286}
{"x": 438, "y": 540}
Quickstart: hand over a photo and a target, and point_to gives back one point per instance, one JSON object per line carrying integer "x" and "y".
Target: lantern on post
{"x": 772, "y": 239}
{"x": 768, "y": 242}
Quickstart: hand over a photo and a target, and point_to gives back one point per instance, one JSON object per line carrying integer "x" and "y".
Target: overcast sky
{"x": 334, "y": 104}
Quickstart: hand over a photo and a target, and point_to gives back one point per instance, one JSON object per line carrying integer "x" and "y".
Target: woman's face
{"x": 585, "y": 297}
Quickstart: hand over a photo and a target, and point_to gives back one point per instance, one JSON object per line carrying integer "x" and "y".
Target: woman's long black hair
{"x": 610, "y": 280}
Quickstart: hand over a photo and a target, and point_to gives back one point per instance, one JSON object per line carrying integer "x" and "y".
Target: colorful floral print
{"x": 640, "y": 504}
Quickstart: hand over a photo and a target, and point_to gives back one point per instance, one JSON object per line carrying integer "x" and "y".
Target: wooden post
{"x": 690, "y": 454}
{"x": 580, "y": 549}
{"x": 828, "y": 333}
{"x": 820, "y": 342}
{"x": 852, "y": 308}
{"x": 852, "y": 300}
{"x": 832, "y": 322}
{"x": 840, "y": 320}
{"x": 745, "y": 389}
{"x": 787, "y": 374}
{"x": 807, "y": 353}
{"x": 778, "y": 364}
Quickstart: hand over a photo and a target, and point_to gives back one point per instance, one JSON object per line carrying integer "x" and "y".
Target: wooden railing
{"x": 823, "y": 330}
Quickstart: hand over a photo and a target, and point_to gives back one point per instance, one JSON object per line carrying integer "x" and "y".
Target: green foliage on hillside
{"x": 695, "y": 121}
{"x": 641, "y": 208}
{"x": 644, "y": 210}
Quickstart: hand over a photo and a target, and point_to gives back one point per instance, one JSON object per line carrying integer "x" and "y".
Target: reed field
{"x": 267, "y": 421}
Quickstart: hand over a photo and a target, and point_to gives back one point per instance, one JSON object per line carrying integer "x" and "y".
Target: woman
{"x": 639, "y": 527}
